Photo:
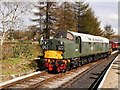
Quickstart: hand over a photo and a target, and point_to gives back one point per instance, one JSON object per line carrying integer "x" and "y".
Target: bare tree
{"x": 109, "y": 32}
{"x": 10, "y": 19}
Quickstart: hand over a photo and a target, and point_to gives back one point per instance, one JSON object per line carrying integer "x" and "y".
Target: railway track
{"x": 25, "y": 81}
{"x": 47, "y": 80}
{"x": 67, "y": 79}
{"x": 86, "y": 79}
{"x": 36, "y": 80}
{"x": 97, "y": 82}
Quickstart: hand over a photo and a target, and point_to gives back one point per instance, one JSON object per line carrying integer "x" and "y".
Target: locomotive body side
{"x": 91, "y": 45}
{"x": 72, "y": 50}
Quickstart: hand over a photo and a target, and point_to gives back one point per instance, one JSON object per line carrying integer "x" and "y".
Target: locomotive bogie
{"x": 57, "y": 65}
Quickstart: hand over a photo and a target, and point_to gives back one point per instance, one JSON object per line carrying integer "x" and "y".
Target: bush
{"x": 22, "y": 50}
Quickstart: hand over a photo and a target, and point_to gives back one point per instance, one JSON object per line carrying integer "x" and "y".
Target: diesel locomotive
{"x": 67, "y": 50}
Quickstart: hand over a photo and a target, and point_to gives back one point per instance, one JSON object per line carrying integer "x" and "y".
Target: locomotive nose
{"x": 53, "y": 54}
{"x": 53, "y": 49}
{"x": 53, "y": 44}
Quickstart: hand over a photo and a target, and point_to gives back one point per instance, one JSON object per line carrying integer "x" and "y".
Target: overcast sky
{"x": 106, "y": 11}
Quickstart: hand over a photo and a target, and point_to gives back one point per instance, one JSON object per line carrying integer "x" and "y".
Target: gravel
{"x": 90, "y": 77}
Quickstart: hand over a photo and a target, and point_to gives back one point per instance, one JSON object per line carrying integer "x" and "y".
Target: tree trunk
{"x": 47, "y": 22}
{"x": 1, "y": 48}
{"x": 1, "y": 45}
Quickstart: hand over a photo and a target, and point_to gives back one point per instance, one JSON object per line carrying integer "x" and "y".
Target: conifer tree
{"x": 87, "y": 22}
{"x": 79, "y": 10}
{"x": 65, "y": 17}
{"x": 46, "y": 18}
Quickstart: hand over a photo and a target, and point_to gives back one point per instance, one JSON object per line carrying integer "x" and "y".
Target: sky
{"x": 105, "y": 10}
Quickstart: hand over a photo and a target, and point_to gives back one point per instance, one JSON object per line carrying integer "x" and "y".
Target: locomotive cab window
{"x": 61, "y": 34}
{"x": 69, "y": 36}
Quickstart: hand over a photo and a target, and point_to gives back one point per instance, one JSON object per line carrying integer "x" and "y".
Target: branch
{"x": 1, "y": 27}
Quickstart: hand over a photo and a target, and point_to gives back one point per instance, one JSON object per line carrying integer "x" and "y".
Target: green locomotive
{"x": 69, "y": 49}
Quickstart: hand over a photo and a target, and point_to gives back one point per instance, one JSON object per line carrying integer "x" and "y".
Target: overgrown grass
{"x": 12, "y": 61}
{"x": 21, "y": 49}
{"x": 23, "y": 62}
{"x": 17, "y": 66}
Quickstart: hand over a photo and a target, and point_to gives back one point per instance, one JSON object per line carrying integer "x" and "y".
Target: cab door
{"x": 78, "y": 40}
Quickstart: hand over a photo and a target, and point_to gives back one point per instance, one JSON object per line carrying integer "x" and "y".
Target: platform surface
{"x": 112, "y": 77}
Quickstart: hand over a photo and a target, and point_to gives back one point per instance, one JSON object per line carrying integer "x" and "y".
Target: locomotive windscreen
{"x": 61, "y": 34}
{"x": 64, "y": 34}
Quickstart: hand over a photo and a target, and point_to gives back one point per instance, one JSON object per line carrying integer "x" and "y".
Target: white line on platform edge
{"x": 107, "y": 73}
{"x": 19, "y": 78}
{"x": 114, "y": 52}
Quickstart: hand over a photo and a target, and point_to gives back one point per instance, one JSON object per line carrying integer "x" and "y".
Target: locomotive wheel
{"x": 68, "y": 68}
{"x": 79, "y": 64}
{"x": 82, "y": 62}
{"x": 58, "y": 70}
{"x": 88, "y": 59}
{"x": 63, "y": 71}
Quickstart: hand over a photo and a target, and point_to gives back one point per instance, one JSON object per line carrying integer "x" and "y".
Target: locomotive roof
{"x": 90, "y": 38}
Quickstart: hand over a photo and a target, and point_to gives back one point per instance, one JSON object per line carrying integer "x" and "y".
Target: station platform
{"x": 112, "y": 76}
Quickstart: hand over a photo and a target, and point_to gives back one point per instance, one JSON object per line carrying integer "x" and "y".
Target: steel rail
{"x": 97, "y": 82}
{"x": 52, "y": 77}
{"x": 20, "y": 79}
{"x": 68, "y": 84}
